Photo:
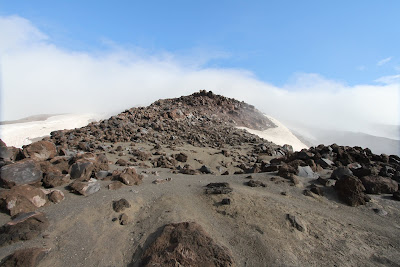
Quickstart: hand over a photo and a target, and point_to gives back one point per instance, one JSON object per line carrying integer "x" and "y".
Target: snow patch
{"x": 19, "y": 134}
{"x": 279, "y": 135}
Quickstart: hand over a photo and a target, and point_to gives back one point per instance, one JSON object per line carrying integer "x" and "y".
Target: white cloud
{"x": 39, "y": 77}
{"x": 384, "y": 61}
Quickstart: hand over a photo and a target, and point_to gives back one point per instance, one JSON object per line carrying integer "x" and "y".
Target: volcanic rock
{"x": 218, "y": 188}
{"x": 296, "y": 222}
{"x": 24, "y": 226}
{"x": 22, "y": 198}
{"x": 181, "y": 157}
{"x": 28, "y": 257}
{"x": 307, "y": 172}
{"x": 120, "y": 205}
{"x": 185, "y": 244}
{"x": 129, "y": 177}
{"x": 121, "y": 162}
{"x": 351, "y": 190}
{"x": 123, "y": 219}
{"x": 85, "y": 188}
{"x": 81, "y": 170}
{"x": 379, "y": 185}
{"x": 41, "y": 150}
{"x": 26, "y": 171}
{"x": 339, "y": 172}
{"x": 253, "y": 183}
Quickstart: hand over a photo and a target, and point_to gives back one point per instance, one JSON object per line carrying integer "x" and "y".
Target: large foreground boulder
{"x": 379, "y": 185}
{"x": 351, "y": 190}
{"x": 25, "y": 226}
{"x": 41, "y": 150}
{"x": 22, "y": 198}
{"x": 185, "y": 244}
{"x": 23, "y": 172}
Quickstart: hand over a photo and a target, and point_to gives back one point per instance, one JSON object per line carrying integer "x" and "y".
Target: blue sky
{"x": 328, "y": 64}
{"x": 342, "y": 40}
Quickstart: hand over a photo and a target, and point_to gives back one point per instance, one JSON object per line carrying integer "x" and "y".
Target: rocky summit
{"x": 177, "y": 183}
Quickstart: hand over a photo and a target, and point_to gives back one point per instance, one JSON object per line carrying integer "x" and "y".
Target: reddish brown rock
{"x": 129, "y": 177}
{"x": 85, "y": 188}
{"x": 81, "y": 170}
{"x": 24, "y": 226}
{"x": 351, "y": 190}
{"x": 379, "y": 185}
{"x": 41, "y": 150}
{"x": 28, "y": 257}
{"x": 22, "y": 198}
{"x": 26, "y": 171}
{"x": 185, "y": 244}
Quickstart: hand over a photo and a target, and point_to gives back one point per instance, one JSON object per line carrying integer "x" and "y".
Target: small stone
{"x": 226, "y": 201}
{"x": 123, "y": 219}
{"x": 120, "y": 205}
{"x": 253, "y": 183}
{"x": 296, "y": 222}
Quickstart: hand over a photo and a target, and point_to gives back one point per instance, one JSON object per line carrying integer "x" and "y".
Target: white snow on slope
{"x": 279, "y": 135}
{"x": 19, "y": 134}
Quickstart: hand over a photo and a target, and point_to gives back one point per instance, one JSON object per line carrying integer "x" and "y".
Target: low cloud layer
{"x": 40, "y": 77}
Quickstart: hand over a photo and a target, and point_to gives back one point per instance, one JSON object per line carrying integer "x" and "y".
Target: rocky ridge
{"x": 172, "y": 134}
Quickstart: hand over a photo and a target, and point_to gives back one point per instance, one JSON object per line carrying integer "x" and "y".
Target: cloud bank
{"x": 38, "y": 76}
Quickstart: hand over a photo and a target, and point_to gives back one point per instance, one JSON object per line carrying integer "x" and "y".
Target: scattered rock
{"x": 121, "y": 162}
{"x": 226, "y": 201}
{"x": 296, "y": 222}
{"x": 100, "y": 175}
{"x": 340, "y": 172}
{"x": 23, "y": 172}
{"x": 129, "y": 177}
{"x": 325, "y": 163}
{"x": 181, "y": 157}
{"x": 380, "y": 212}
{"x": 120, "y": 205}
{"x": 205, "y": 169}
{"x": 22, "y": 198}
{"x": 185, "y": 244}
{"x": 123, "y": 219}
{"x": 351, "y": 190}
{"x": 326, "y": 182}
{"x": 253, "y": 183}
{"x": 307, "y": 172}
{"x": 81, "y": 170}
{"x": 41, "y": 150}
{"x": 85, "y": 188}
{"x": 316, "y": 190}
{"x": 24, "y": 226}
{"x": 218, "y": 188}
{"x": 56, "y": 196}
{"x": 379, "y": 185}
{"x": 27, "y": 257}
{"x": 287, "y": 171}
{"x": 159, "y": 181}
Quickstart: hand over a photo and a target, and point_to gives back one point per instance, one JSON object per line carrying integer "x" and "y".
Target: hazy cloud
{"x": 389, "y": 79}
{"x": 384, "y": 61}
{"x": 39, "y": 77}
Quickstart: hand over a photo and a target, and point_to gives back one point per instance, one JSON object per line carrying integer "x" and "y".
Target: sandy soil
{"x": 253, "y": 227}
